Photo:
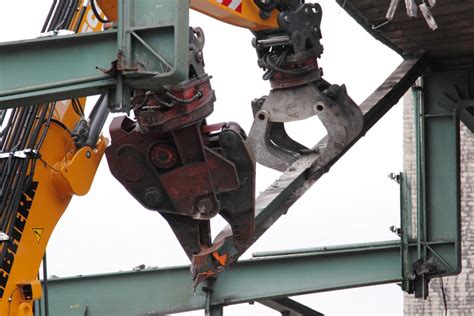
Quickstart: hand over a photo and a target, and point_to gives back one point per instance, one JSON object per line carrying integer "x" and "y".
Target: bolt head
{"x": 153, "y": 197}
{"x": 205, "y": 206}
{"x": 228, "y": 139}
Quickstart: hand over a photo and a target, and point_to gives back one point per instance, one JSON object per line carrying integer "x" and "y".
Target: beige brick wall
{"x": 459, "y": 289}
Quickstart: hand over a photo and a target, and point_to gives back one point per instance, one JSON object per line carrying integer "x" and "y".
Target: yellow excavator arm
{"x": 243, "y": 13}
{"x": 60, "y": 171}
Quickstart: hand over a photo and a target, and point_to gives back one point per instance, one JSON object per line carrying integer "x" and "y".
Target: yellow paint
{"x": 249, "y": 17}
{"x": 59, "y": 158}
{"x": 25, "y": 309}
{"x": 70, "y": 175}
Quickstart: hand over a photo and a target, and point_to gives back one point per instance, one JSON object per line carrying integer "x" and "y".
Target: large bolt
{"x": 205, "y": 206}
{"x": 163, "y": 156}
{"x": 228, "y": 139}
{"x": 153, "y": 197}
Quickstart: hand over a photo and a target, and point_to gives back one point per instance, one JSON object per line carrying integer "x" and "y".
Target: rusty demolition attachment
{"x": 289, "y": 57}
{"x": 172, "y": 162}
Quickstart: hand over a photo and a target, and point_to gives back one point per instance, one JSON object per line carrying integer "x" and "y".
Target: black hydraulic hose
{"x": 97, "y": 120}
{"x": 36, "y": 141}
{"x": 26, "y": 126}
{"x": 37, "y": 311}
{"x": 64, "y": 16}
{"x": 45, "y": 286}
{"x": 70, "y": 14}
{"x": 17, "y": 141}
{"x": 57, "y": 15}
{"x": 20, "y": 171}
{"x": 16, "y": 171}
{"x": 60, "y": 16}
{"x": 4, "y": 163}
{"x": 9, "y": 220}
{"x": 17, "y": 168}
{"x": 9, "y": 139}
{"x": 8, "y": 136}
{"x": 80, "y": 18}
{"x": 47, "y": 124}
{"x": 19, "y": 124}
{"x": 4, "y": 129}
{"x": 48, "y": 17}
{"x": 96, "y": 12}
{"x": 34, "y": 114}
{"x": 3, "y": 114}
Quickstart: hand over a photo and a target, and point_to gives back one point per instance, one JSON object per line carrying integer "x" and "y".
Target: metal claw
{"x": 192, "y": 234}
{"x": 274, "y": 148}
{"x": 267, "y": 152}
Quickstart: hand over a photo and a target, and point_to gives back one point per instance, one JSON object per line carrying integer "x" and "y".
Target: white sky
{"x": 354, "y": 202}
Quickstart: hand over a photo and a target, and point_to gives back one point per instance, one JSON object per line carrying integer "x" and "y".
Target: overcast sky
{"x": 355, "y": 202}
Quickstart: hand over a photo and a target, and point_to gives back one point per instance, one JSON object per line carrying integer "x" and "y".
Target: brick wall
{"x": 459, "y": 290}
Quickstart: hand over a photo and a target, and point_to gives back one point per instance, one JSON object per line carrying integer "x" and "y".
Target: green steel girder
{"x": 170, "y": 290}
{"x": 150, "y": 47}
{"x": 35, "y": 71}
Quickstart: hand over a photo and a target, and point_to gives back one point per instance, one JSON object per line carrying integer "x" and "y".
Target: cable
{"x": 56, "y": 16}
{"x": 48, "y": 17}
{"x": 96, "y": 13}
{"x": 63, "y": 23}
{"x": 196, "y": 96}
{"x": 80, "y": 18}
{"x": 76, "y": 105}
{"x": 61, "y": 124}
{"x": 10, "y": 298}
{"x": 275, "y": 65}
{"x": 445, "y": 302}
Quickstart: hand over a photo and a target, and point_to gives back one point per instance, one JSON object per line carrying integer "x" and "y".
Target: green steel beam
{"x": 150, "y": 47}
{"x": 37, "y": 70}
{"x": 170, "y": 290}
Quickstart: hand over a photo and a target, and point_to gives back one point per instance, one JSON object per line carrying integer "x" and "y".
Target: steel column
{"x": 437, "y": 104}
